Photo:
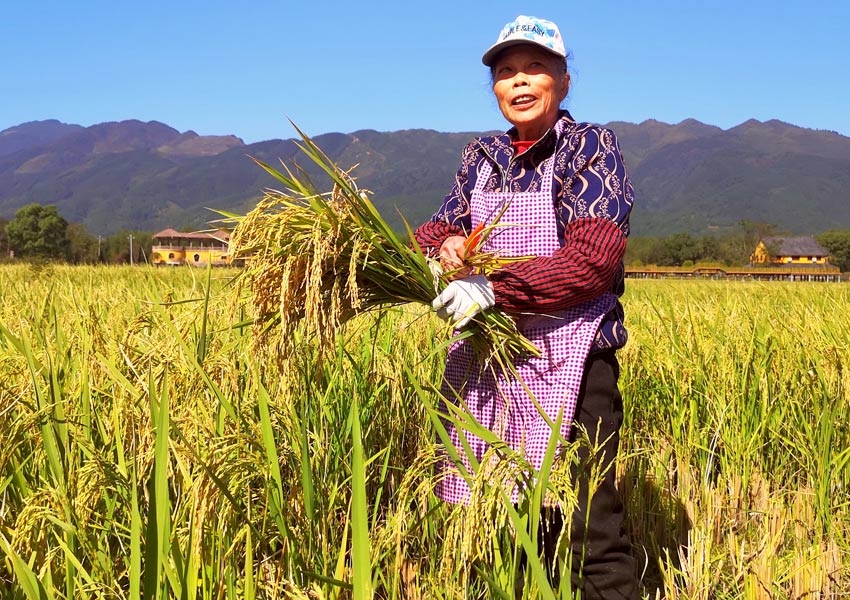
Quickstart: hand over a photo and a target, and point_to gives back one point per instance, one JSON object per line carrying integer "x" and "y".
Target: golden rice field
{"x": 150, "y": 451}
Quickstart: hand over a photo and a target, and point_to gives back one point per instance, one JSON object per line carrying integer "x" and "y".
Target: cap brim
{"x": 490, "y": 56}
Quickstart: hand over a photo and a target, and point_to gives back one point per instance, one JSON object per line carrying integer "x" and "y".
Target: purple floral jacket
{"x": 593, "y": 200}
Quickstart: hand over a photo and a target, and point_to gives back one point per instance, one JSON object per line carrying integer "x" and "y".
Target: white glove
{"x": 463, "y": 299}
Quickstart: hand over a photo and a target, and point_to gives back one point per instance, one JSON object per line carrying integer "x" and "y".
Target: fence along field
{"x": 149, "y": 451}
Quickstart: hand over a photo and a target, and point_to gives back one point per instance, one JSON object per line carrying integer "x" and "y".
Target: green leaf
{"x": 272, "y": 461}
{"x": 135, "y": 538}
{"x": 159, "y": 514}
{"x": 360, "y": 547}
{"x": 27, "y": 579}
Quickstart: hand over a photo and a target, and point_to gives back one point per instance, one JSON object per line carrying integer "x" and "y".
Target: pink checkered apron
{"x": 499, "y": 401}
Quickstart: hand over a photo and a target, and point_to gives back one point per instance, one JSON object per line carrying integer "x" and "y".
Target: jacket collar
{"x": 500, "y": 150}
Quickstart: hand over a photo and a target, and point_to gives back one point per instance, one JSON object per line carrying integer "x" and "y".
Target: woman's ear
{"x": 566, "y": 85}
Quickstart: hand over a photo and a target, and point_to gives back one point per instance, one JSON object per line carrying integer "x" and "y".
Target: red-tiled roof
{"x": 169, "y": 233}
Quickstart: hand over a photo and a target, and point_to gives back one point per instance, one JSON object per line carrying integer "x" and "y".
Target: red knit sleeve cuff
{"x": 431, "y": 235}
{"x": 580, "y": 270}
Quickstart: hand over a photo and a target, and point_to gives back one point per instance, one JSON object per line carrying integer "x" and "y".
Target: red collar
{"x": 522, "y": 145}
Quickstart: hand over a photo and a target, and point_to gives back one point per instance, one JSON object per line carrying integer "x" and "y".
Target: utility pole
{"x": 130, "y": 237}
{"x": 99, "y": 238}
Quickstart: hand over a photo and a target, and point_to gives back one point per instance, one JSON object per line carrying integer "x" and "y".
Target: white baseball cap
{"x": 527, "y": 30}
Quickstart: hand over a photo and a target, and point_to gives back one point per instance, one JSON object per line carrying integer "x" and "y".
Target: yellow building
{"x": 789, "y": 251}
{"x": 173, "y": 247}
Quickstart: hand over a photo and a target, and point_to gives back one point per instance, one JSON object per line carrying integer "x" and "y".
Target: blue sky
{"x": 243, "y": 68}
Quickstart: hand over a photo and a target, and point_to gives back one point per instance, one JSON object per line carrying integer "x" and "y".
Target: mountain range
{"x": 688, "y": 177}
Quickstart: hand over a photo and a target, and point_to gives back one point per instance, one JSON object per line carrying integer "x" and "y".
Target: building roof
{"x": 795, "y": 246}
{"x": 169, "y": 233}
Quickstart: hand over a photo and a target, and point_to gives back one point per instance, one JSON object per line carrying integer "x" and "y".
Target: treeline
{"x": 730, "y": 249}
{"x": 39, "y": 233}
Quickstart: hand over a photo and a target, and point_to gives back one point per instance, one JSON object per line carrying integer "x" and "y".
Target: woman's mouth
{"x": 522, "y": 100}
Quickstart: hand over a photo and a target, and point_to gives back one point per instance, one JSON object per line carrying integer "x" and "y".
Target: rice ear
{"x": 316, "y": 259}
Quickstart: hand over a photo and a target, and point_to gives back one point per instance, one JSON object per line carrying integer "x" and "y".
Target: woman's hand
{"x": 452, "y": 253}
{"x": 463, "y": 299}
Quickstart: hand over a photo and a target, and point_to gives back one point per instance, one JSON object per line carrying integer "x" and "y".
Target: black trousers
{"x": 603, "y": 566}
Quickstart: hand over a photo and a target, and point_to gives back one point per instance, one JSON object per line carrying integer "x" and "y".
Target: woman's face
{"x": 529, "y": 84}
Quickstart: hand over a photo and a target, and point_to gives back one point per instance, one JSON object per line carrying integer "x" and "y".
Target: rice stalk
{"x": 314, "y": 260}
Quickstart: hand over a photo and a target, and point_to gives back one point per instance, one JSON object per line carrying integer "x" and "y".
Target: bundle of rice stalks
{"x": 317, "y": 259}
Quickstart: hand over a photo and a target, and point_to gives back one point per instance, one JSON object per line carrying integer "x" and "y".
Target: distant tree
{"x": 4, "y": 239}
{"x": 116, "y": 247}
{"x": 658, "y": 254}
{"x": 729, "y": 250}
{"x": 838, "y": 243}
{"x": 750, "y": 233}
{"x": 82, "y": 245}
{"x": 711, "y": 249}
{"x": 38, "y": 231}
{"x": 680, "y": 248}
{"x": 641, "y": 250}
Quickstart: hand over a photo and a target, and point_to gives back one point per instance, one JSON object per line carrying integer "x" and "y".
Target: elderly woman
{"x": 563, "y": 188}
